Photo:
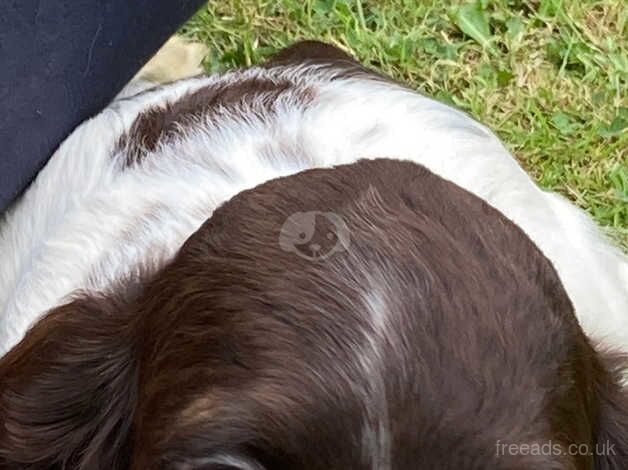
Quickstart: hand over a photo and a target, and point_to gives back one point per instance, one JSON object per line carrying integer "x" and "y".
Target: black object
{"x": 62, "y": 61}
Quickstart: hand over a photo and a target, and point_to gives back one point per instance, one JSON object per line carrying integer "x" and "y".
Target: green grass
{"x": 549, "y": 76}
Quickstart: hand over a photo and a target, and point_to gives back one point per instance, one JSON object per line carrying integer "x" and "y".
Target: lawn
{"x": 550, "y": 77}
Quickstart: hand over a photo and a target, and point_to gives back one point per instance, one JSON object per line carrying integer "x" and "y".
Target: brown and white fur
{"x": 186, "y": 330}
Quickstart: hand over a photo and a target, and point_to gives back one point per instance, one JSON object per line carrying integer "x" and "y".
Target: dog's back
{"x": 129, "y": 186}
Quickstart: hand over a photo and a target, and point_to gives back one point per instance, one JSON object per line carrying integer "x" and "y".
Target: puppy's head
{"x": 438, "y": 337}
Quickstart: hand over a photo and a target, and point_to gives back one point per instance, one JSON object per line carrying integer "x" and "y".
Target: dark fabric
{"x": 62, "y": 61}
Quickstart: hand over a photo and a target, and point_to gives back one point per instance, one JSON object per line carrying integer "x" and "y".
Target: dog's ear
{"x": 611, "y": 452}
{"x": 68, "y": 390}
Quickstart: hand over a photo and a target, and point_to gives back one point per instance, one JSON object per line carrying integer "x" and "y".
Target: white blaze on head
{"x": 376, "y": 429}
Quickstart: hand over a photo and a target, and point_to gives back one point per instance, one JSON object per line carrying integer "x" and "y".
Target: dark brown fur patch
{"x": 160, "y": 124}
{"x": 305, "y": 51}
{"x": 484, "y": 345}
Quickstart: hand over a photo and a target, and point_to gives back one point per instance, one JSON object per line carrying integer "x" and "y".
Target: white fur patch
{"x": 84, "y": 223}
{"x": 376, "y": 432}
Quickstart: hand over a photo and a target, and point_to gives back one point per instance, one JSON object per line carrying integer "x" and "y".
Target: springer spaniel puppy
{"x": 304, "y": 265}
